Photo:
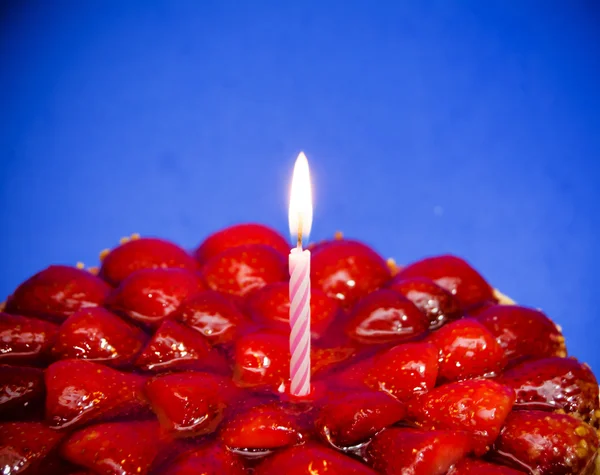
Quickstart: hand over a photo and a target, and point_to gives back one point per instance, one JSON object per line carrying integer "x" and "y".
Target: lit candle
{"x": 300, "y": 219}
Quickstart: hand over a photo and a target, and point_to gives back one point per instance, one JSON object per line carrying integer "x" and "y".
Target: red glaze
{"x": 399, "y": 451}
{"x": 324, "y": 359}
{"x": 453, "y": 274}
{"x": 95, "y": 334}
{"x": 79, "y": 391}
{"x": 348, "y": 419}
{"x": 21, "y": 391}
{"x": 25, "y": 340}
{"x": 271, "y": 306}
{"x": 478, "y": 407}
{"x": 546, "y": 443}
{"x": 523, "y": 332}
{"x": 149, "y": 296}
{"x": 347, "y": 270}
{"x": 467, "y": 350}
{"x": 438, "y": 304}
{"x": 245, "y": 269}
{"x": 479, "y": 467}
{"x": 57, "y": 292}
{"x": 177, "y": 347}
{"x": 212, "y": 314}
{"x": 189, "y": 404}
{"x": 210, "y": 459}
{"x": 144, "y": 253}
{"x": 385, "y": 316}
{"x": 555, "y": 383}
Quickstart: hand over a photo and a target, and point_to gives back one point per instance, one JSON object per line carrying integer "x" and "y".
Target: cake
{"x": 162, "y": 361}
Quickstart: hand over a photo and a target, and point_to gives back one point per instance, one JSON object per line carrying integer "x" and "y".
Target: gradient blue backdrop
{"x": 470, "y": 127}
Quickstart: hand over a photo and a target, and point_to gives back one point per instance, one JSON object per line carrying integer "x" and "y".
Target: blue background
{"x": 465, "y": 127}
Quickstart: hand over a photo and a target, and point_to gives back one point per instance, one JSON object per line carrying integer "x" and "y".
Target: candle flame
{"x": 300, "y": 211}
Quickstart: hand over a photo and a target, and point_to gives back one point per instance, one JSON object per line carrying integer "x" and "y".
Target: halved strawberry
{"x": 469, "y": 466}
{"x": 21, "y": 391}
{"x": 347, "y": 270}
{"x": 79, "y": 391}
{"x": 402, "y": 450}
{"x": 241, "y": 235}
{"x": 467, "y": 349}
{"x": 57, "y": 292}
{"x": 385, "y": 316}
{"x": 453, "y": 274}
{"x": 95, "y": 334}
{"x": 210, "y": 459}
{"x": 347, "y": 419}
{"x": 144, "y": 253}
{"x": 151, "y": 295}
{"x": 244, "y": 269}
{"x": 177, "y": 347}
{"x": 523, "y": 332}
{"x": 478, "y": 406}
{"x": 25, "y": 340}
{"x": 545, "y": 443}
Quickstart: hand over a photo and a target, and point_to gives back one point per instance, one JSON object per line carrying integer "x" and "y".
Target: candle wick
{"x": 299, "y": 230}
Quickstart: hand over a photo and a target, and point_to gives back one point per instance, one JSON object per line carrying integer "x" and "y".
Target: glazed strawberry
{"x": 385, "y": 316}
{"x": 475, "y": 406}
{"x": 144, "y": 253}
{"x": 348, "y": 419}
{"x": 467, "y": 350}
{"x": 21, "y": 391}
{"x": 555, "y": 383}
{"x": 211, "y": 313}
{"x": 115, "y": 447}
{"x": 96, "y": 334}
{"x": 453, "y": 274}
{"x": 439, "y": 305}
{"x": 151, "y": 295}
{"x": 470, "y": 466}
{"x": 545, "y": 443}
{"x": 177, "y": 347}
{"x": 26, "y": 446}
{"x": 79, "y": 391}
{"x": 25, "y": 340}
{"x": 57, "y": 292}
{"x": 324, "y": 359}
{"x": 523, "y": 332}
{"x": 189, "y": 404}
{"x": 210, "y": 459}
{"x": 271, "y": 306}
{"x": 241, "y": 235}
{"x": 245, "y": 269}
{"x": 399, "y": 451}
{"x": 347, "y": 270}
{"x": 311, "y": 458}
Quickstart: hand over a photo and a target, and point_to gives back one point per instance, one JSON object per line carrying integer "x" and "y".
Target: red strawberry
{"x": 438, "y": 304}
{"x": 402, "y": 451}
{"x": 467, "y": 350}
{"x": 151, "y": 295}
{"x": 189, "y": 404}
{"x": 324, "y": 359}
{"x": 177, "y": 347}
{"x": 523, "y": 332}
{"x": 57, "y": 292}
{"x": 545, "y": 443}
{"x": 311, "y": 458}
{"x": 555, "y": 383}
{"x": 453, "y": 274}
{"x": 210, "y": 459}
{"x": 271, "y": 306}
{"x": 26, "y": 446}
{"x": 241, "y": 235}
{"x": 347, "y": 419}
{"x": 79, "y": 391}
{"x": 476, "y": 406}
{"x": 212, "y": 314}
{"x": 21, "y": 390}
{"x": 25, "y": 340}
{"x": 385, "y": 316}
{"x": 115, "y": 447}
{"x": 144, "y": 253}
{"x": 96, "y": 334}
{"x": 244, "y": 269}
{"x": 470, "y": 466}
{"x": 347, "y": 270}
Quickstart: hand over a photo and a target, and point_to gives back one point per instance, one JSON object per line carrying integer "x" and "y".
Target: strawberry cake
{"x": 162, "y": 361}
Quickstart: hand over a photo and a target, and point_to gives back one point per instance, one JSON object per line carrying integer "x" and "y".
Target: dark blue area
{"x": 470, "y": 127}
